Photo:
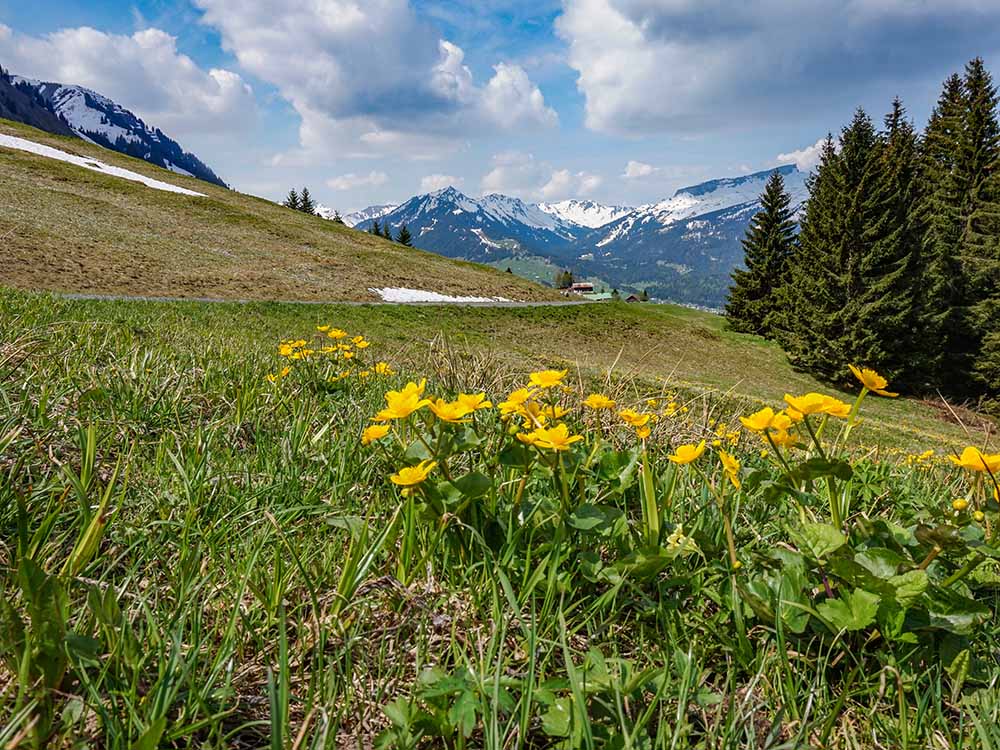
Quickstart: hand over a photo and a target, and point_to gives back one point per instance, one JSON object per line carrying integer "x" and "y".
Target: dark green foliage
{"x": 386, "y": 232}
{"x": 375, "y": 228}
{"x": 770, "y": 241}
{"x": 898, "y": 262}
{"x": 404, "y": 237}
{"x": 292, "y": 200}
{"x": 564, "y": 279}
{"x": 337, "y": 218}
{"x": 306, "y": 204}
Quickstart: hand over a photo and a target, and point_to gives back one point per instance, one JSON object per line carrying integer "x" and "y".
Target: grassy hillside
{"x": 195, "y": 555}
{"x": 64, "y": 228}
{"x": 659, "y": 346}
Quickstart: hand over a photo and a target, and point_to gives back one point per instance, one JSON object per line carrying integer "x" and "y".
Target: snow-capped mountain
{"x": 97, "y": 119}
{"x": 21, "y": 103}
{"x": 686, "y": 247}
{"x": 585, "y": 213}
{"x": 494, "y": 226}
{"x": 367, "y": 214}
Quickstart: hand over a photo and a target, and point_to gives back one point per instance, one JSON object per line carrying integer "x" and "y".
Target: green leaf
{"x": 855, "y": 611}
{"x": 818, "y": 467}
{"x": 462, "y": 713}
{"x": 948, "y": 610}
{"x": 819, "y": 540}
{"x": 150, "y": 739}
{"x": 556, "y": 721}
{"x": 909, "y": 586}
{"x": 587, "y": 517}
{"x": 416, "y": 452}
{"x": 958, "y": 671}
{"x": 473, "y": 485}
{"x": 881, "y": 561}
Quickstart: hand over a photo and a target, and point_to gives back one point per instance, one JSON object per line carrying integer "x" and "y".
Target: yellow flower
{"x": 783, "y": 438}
{"x": 979, "y": 516}
{"x": 633, "y": 418}
{"x": 454, "y": 411}
{"x": 382, "y": 368}
{"x": 872, "y": 381}
{"x": 554, "y": 411}
{"x": 547, "y": 378}
{"x": 515, "y": 402}
{"x": 401, "y": 404}
{"x": 685, "y": 454}
{"x": 642, "y": 432}
{"x": 373, "y": 433}
{"x": 597, "y": 401}
{"x": 759, "y": 421}
{"x": 363, "y": 344}
{"x": 529, "y": 438}
{"x": 322, "y": 329}
{"x": 816, "y": 403}
{"x": 336, "y": 333}
{"x": 973, "y": 460}
{"x": 474, "y": 401}
{"x": 410, "y": 476}
{"x": 959, "y": 503}
{"x": 732, "y": 468}
{"x": 286, "y": 350}
{"x": 556, "y": 438}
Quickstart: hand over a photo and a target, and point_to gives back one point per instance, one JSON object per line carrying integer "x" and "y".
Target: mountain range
{"x": 683, "y": 248}
{"x": 74, "y": 110}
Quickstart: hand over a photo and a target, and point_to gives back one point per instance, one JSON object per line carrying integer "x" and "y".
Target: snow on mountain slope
{"x": 585, "y": 213}
{"x": 22, "y": 144}
{"x": 366, "y": 214}
{"x": 705, "y": 198}
{"x": 99, "y": 120}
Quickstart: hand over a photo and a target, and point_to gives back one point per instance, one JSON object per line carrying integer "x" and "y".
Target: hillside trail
{"x": 350, "y": 303}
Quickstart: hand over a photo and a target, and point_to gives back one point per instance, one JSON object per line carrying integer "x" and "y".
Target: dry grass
{"x": 64, "y": 228}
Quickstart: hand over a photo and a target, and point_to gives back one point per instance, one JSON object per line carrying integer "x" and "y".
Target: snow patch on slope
{"x": 21, "y": 144}
{"x": 585, "y": 213}
{"x": 402, "y": 294}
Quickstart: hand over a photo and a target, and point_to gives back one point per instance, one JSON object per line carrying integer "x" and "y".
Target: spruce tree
{"x": 375, "y": 228}
{"x": 885, "y": 332}
{"x": 944, "y": 310}
{"x": 306, "y": 204}
{"x": 386, "y": 232}
{"x": 753, "y": 299}
{"x": 979, "y": 167}
{"x": 292, "y": 200}
{"x": 337, "y": 218}
{"x": 404, "y": 237}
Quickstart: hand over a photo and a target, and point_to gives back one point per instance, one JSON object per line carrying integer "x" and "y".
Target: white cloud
{"x": 353, "y": 181}
{"x": 434, "y": 182}
{"x": 522, "y": 175}
{"x": 806, "y": 159}
{"x": 649, "y": 66}
{"x": 143, "y": 72}
{"x": 371, "y": 78}
{"x": 636, "y": 170}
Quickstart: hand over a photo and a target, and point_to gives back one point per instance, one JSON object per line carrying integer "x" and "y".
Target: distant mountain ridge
{"x": 99, "y": 120}
{"x": 367, "y": 214}
{"x": 683, "y": 248}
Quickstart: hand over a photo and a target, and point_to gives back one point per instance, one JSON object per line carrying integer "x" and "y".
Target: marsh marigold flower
{"x": 515, "y": 402}
{"x": 373, "y": 433}
{"x": 450, "y": 411}
{"x": 633, "y": 418}
{"x": 816, "y": 403}
{"x": 401, "y": 404}
{"x": 382, "y": 368}
{"x": 872, "y": 381}
{"x": 597, "y": 401}
{"x": 474, "y": 401}
{"x": 974, "y": 460}
{"x": 556, "y": 438}
{"x": 731, "y": 467}
{"x": 765, "y": 420}
{"x": 336, "y": 333}
{"x": 411, "y": 476}
{"x": 547, "y": 378}
{"x": 686, "y": 454}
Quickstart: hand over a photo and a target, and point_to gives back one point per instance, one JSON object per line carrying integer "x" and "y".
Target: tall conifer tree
{"x": 767, "y": 248}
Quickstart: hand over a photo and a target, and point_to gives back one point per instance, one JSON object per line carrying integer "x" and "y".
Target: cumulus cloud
{"x": 353, "y": 181}
{"x": 521, "y": 174}
{"x": 685, "y": 65}
{"x": 434, "y": 182}
{"x": 636, "y": 170}
{"x": 371, "y": 78}
{"x": 806, "y": 159}
{"x": 143, "y": 72}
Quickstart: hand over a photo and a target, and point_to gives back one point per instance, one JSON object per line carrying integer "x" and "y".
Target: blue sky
{"x": 621, "y": 101}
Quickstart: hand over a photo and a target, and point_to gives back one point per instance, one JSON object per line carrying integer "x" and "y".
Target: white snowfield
{"x": 398, "y": 294}
{"x": 22, "y": 144}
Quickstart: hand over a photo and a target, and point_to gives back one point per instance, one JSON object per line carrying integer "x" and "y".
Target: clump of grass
{"x": 200, "y": 557}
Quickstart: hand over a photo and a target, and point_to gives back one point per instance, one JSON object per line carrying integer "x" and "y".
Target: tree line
{"x": 896, "y": 261}
{"x": 403, "y": 236}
